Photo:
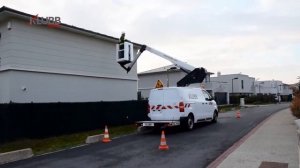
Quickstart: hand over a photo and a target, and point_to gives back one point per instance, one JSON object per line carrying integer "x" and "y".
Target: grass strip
{"x": 40, "y": 146}
{"x": 226, "y": 108}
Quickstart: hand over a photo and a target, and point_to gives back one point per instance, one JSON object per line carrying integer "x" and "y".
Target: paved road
{"x": 195, "y": 148}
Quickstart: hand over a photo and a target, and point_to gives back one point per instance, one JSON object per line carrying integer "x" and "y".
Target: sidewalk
{"x": 274, "y": 141}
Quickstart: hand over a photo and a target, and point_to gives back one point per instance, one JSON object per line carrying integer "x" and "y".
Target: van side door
{"x": 209, "y": 105}
{"x": 198, "y": 104}
{"x": 192, "y": 104}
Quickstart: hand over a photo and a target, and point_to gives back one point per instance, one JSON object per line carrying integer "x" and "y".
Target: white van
{"x": 183, "y": 106}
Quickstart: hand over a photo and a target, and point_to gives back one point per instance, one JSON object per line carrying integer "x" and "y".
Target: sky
{"x": 259, "y": 38}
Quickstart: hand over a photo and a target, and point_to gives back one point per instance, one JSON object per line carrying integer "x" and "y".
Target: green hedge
{"x": 295, "y": 105}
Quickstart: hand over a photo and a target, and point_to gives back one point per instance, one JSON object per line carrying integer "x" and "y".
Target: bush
{"x": 253, "y": 99}
{"x": 295, "y": 106}
{"x": 260, "y": 99}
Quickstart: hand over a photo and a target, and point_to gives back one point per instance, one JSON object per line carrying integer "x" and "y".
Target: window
{"x": 206, "y": 95}
{"x": 242, "y": 84}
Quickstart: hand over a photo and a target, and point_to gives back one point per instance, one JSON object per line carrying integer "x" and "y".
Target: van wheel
{"x": 190, "y": 122}
{"x": 215, "y": 117}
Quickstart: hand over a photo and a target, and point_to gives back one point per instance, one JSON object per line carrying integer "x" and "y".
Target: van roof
{"x": 178, "y": 88}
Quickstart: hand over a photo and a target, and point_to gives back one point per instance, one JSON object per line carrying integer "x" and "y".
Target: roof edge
{"x": 66, "y": 26}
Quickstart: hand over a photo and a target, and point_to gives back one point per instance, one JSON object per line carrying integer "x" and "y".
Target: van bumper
{"x": 158, "y": 123}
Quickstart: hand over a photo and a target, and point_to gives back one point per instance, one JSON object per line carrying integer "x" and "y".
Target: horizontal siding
{"x": 39, "y": 47}
{"x": 4, "y": 87}
{"x": 3, "y": 44}
{"x": 4, "y": 61}
{"x": 45, "y": 87}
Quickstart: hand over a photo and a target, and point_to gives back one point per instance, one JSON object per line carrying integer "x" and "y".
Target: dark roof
{"x": 63, "y": 25}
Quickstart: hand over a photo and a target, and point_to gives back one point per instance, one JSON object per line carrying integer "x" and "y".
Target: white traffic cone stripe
{"x": 106, "y": 135}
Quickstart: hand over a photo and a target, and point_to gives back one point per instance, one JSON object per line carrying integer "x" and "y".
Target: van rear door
{"x": 164, "y": 104}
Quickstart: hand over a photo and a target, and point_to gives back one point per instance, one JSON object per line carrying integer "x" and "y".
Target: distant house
{"x": 170, "y": 75}
{"x": 238, "y": 84}
{"x": 39, "y": 63}
{"x": 274, "y": 87}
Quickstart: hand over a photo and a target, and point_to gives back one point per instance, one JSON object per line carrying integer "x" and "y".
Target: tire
{"x": 190, "y": 122}
{"x": 215, "y": 117}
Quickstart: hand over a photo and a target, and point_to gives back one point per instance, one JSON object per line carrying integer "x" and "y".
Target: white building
{"x": 237, "y": 84}
{"x": 170, "y": 75}
{"x": 64, "y": 64}
{"x": 274, "y": 87}
{"x": 220, "y": 87}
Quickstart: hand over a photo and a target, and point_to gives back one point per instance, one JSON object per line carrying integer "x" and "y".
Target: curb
{"x": 15, "y": 155}
{"x": 94, "y": 139}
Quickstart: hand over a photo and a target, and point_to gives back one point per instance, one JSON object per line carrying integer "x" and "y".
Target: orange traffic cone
{"x": 106, "y": 136}
{"x": 238, "y": 114}
{"x": 163, "y": 143}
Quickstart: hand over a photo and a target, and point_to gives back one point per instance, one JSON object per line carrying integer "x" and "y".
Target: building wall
{"x": 71, "y": 67}
{"x": 219, "y": 87}
{"x": 235, "y": 85}
{"x": 267, "y": 87}
{"x": 56, "y": 50}
{"x": 3, "y": 44}
{"x": 272, "y": 87}
{"x": 286, "y": 90}
{"x": 4, "y": 79}
{"x": 147, "y": 81}
{"x": 47, "y": 87}
{"x": 4, "y": 88}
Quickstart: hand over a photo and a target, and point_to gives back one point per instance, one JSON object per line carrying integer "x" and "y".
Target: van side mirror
{"x": 209, "y": 99}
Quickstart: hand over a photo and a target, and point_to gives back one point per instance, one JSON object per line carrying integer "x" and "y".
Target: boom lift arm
{"x": 183, "y": 66}
{"x": 194, "y": 75}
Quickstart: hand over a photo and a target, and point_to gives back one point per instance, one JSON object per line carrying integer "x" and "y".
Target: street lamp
{"x": 232, "y": 83}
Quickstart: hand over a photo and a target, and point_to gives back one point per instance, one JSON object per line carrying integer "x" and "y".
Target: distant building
{"x": 275, "y": 87}
{"x": 39, "y": 63}
{"x": 170, "y": 75}
{"x": 234, "y": 84}
{"x": 238, "y": 84}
